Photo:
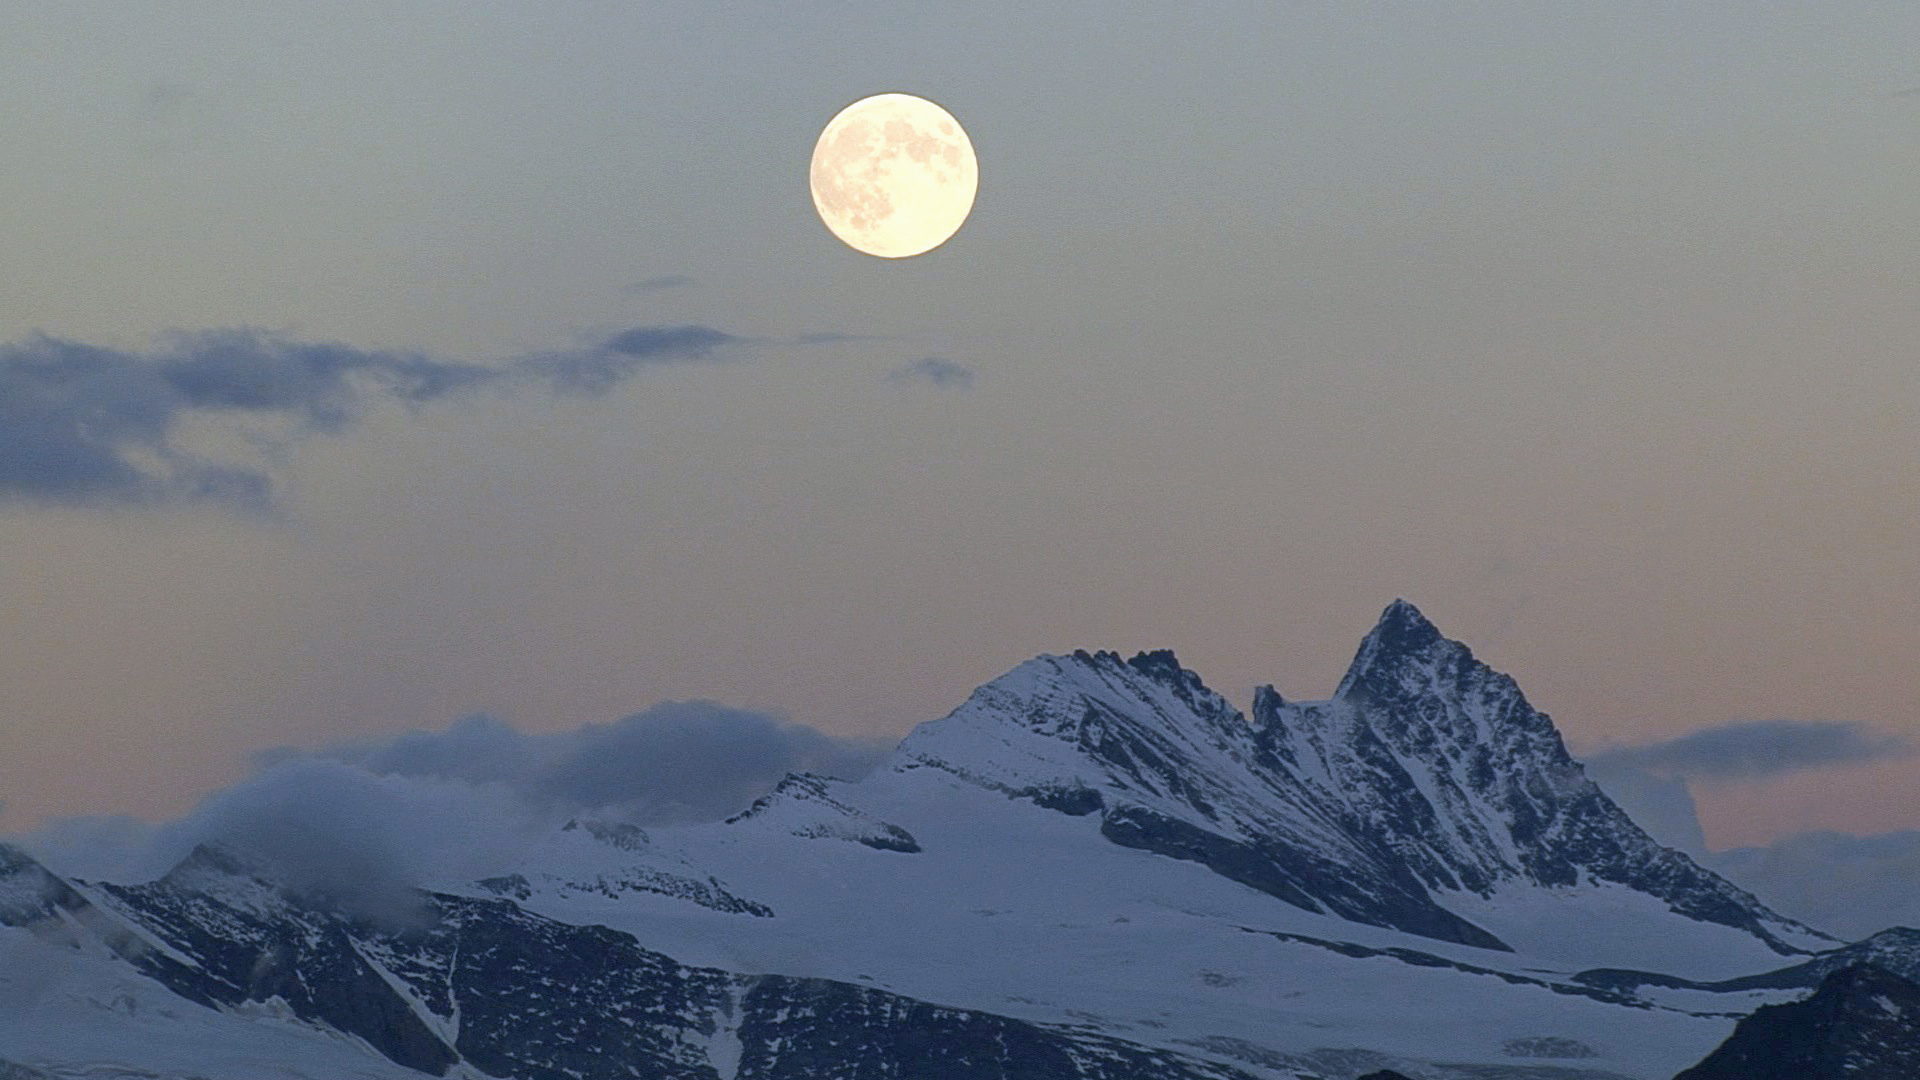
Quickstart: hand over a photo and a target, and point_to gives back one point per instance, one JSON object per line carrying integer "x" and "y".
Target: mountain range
{"x": 1095, "y": 867}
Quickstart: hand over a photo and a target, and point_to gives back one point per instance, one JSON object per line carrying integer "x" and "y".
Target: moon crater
{"x": 893, "y": 175}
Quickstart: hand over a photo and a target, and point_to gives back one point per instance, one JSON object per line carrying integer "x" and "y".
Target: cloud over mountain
{"x": 676, "y": 761}
{"x": 1851, "y": 885}
{"x": 372, "y": 817}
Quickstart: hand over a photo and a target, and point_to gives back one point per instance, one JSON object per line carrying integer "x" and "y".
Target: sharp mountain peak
{"x": 1427, "y": 774}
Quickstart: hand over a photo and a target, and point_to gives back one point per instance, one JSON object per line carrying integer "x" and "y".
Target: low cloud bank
{"x": 1853, "y": 886}
{"x": 364, "y": 823}
{"x": 675, "y": 762}
{"x": 1848, "y": 885}
{"x": 87, "y": 426}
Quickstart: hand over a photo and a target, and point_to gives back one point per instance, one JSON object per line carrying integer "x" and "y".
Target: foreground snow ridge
{"x": 1095, "y": 868}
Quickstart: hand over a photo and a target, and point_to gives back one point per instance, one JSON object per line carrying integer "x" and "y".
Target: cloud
{"x": 1852, "y": 886}
{"x": 1848, "y": 885}
{"x": 658, "y": 284}
{"x": 1661, "y": 805}
{"x": 83, "y": 425}
{"x": 364, "y": 823}
{"x": 936, "y": 370}
{"x": 677, "y": 761}
{"x": 323, "y": 828}
{"x": 593, "y": 372}
{"x": 1755, "y": 749}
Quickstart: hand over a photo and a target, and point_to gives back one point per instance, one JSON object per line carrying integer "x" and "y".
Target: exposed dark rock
{"x": 1547, "y": 1046}
{"x": 1300, "y": 877}
{"x": 805, "y": 804}
{"x": 1862, "y": 1024}
{"x": 1416, "y": 958}
{"x": 1072, "y": 801}
{"x": 1174, "y": 769}
{"x": 861, "y": 1034}
{"x": 484, "y": 982}
{"x": 1428, "y": 772}
{"x": 1415, "y": 700}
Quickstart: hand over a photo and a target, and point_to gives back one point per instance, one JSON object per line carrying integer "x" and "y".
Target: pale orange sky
{"x": 1592, "y": 334}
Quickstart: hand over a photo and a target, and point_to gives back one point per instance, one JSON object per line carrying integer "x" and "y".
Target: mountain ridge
{"x": 1096, "y": 857}
{"x": 1426, "y": 774}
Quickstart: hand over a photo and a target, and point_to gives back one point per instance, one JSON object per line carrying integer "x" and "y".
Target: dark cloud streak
{"x": 594, "y": 372}
{"x": 1756, "y": 749}
{"x": 87, "y": 426}
{"x": 935, "y": 370}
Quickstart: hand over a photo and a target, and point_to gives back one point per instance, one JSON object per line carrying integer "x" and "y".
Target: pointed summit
{"x": 1427, "y": 752}
{"x": 32, "y": 896}
{"x": 1403, "y": 639}
{"x": 212, "y": 858}
{"x": 1172, "y": 768}
{"x": 1402, "y": 625}
{"x": 1427, "y": 781}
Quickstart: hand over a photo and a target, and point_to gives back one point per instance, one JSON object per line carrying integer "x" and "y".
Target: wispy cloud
{"x": 659, "y": 284}
{"x": 1762, "y": 748}
{"x": 595, "y": 371}
{"x": 935, "y": 371}
{"x": 84, "y": 425}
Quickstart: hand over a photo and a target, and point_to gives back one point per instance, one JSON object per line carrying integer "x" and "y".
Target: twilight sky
{"x": 363, "y": 371}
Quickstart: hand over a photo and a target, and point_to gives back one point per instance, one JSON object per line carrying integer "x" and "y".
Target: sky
{"x": 367, "y": 371}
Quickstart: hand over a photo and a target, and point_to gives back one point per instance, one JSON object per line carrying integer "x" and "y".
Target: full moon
{"x": 893, "y": 175}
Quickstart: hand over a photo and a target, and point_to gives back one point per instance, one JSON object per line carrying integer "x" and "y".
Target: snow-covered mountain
{"x": 1094, "y": 867}
{"x": 1426, "y": 776}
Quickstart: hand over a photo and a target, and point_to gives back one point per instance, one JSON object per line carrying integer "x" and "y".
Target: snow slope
{"x": 1094, "y": 868}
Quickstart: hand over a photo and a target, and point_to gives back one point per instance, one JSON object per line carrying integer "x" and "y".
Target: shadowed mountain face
{"x": 1172, "y": 768}
{"x": 1862, "y": 1024}
{"x": 1439, "y": 759}
{"x": 1427, "y": 773}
